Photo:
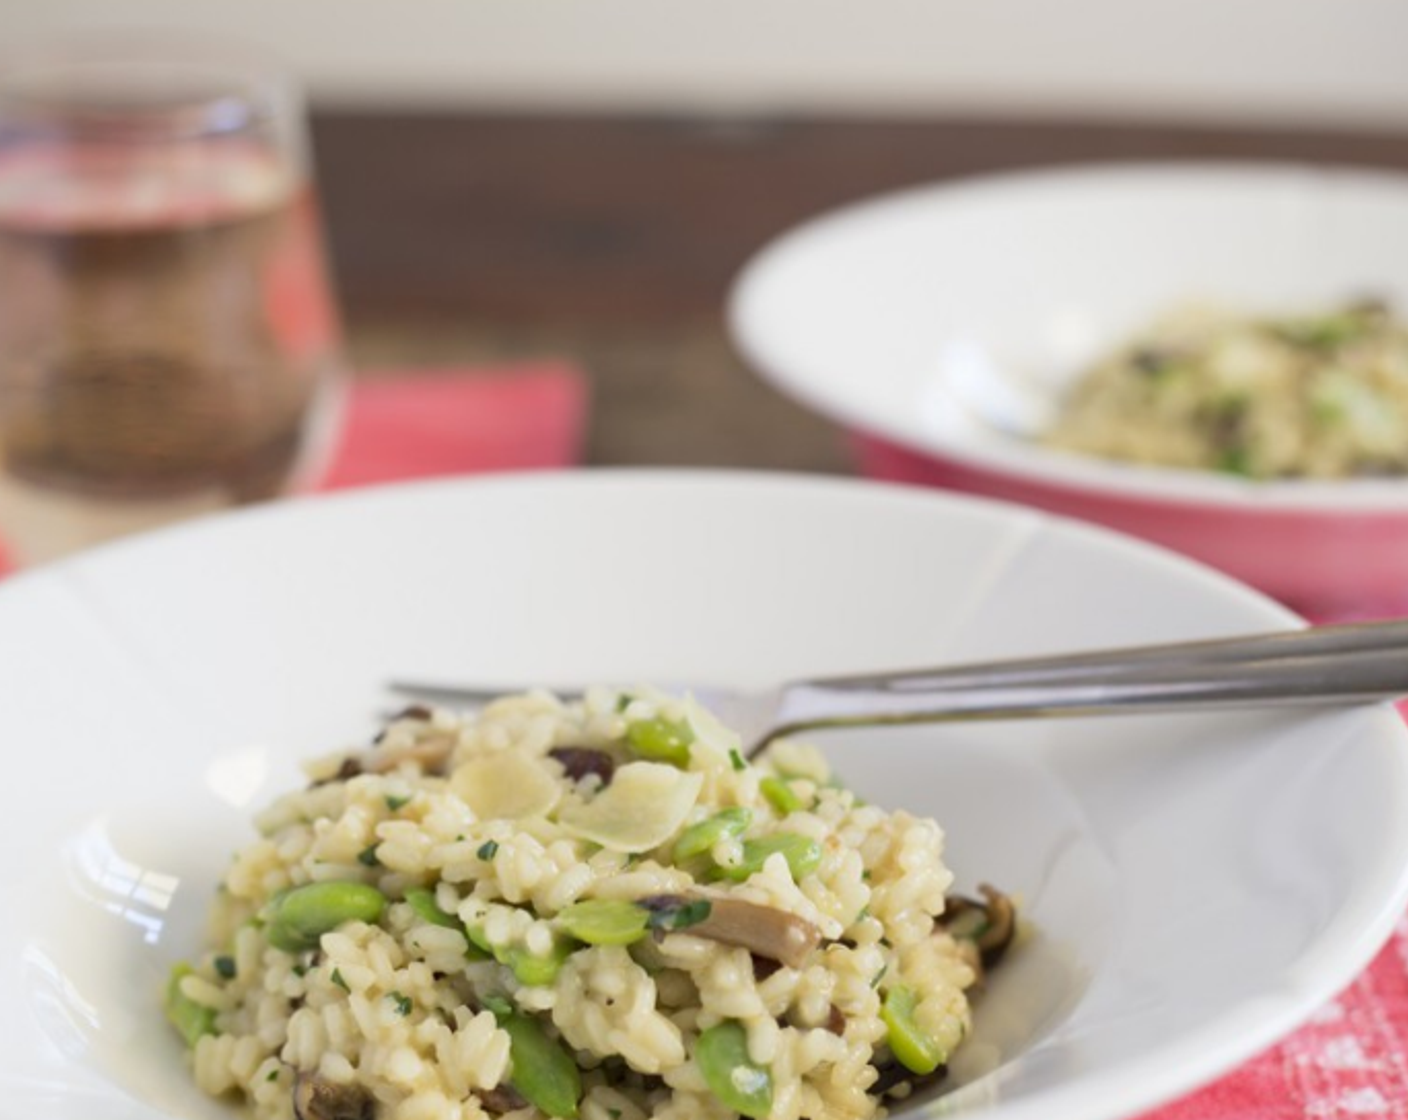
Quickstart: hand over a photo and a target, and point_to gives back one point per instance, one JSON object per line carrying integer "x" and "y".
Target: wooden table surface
{"x": 612, "y": 242}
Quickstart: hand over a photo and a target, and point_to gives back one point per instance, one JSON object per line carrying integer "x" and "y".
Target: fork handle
{"x": 1316, "y": 666}
{"x": 1387, "y": 638}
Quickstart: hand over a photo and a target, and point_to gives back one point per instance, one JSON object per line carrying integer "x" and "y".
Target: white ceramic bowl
{"x": 158, "y": 691}
{"x": 875, "y": 314}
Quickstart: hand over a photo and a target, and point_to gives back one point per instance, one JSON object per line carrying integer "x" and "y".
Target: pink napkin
{"x": 448, "y": 422}
{"x": 456, "y": 422}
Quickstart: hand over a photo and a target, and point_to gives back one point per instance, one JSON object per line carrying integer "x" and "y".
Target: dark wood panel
{"x": 634, "y": 219}
{"x": 661, "y": 395}
{"x": 611, "y": 242}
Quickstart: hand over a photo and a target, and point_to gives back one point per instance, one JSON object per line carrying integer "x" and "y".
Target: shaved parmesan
{"x": 645, "y": 804}
{"x": 506, "y": 786}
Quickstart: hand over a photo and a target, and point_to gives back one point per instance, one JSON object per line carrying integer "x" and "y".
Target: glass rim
{"x": 110, "y": 84}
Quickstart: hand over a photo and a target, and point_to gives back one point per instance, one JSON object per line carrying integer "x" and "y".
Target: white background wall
{"x": 1341, "y": 63}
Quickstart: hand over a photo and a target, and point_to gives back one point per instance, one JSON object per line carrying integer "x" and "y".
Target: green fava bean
{"x": 525, "y": 966}
{"x": 423, "y": 905}
{"x": 296, "y": 919}
{"x": 803, "y": 856}
{"x": 739, "y": 1084}
{"x": 780, "y": 795}
{"x": 533, "y": 970}
{"x": 700, "y": 838}
{"x": 912, "y": 1048}
{"x": 661, "y": 740}
{"x": 191, "y": 1019}
{"x": 605, "y": 921}
{"x": 478, "y": 940}
{"x": 542, "y": 1070}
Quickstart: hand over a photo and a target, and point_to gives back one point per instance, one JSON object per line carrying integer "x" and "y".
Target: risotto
{"x": 594, "y": 909}
{"x": 1314, "y": 396}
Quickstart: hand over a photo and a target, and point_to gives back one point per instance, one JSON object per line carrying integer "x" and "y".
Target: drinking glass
{"x": 169, "y": 344}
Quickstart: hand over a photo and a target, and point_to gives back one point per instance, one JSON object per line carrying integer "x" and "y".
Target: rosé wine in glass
{"x": 168, "y": 341}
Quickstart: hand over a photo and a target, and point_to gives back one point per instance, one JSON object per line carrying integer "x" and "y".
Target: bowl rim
{"x": 1007, "y": 456}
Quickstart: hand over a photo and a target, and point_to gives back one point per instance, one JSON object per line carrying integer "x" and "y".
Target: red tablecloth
{"x": 1350, "y": 1062}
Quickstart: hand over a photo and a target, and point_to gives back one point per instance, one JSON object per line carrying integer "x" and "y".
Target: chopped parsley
{"x": 367, "y": 857}
{"x": 680, "y": 917}
{"x": 225, "y": 967}
{"x": 875, "y": 980}
{"x": 339, "y": 981}
{"x": 497, "y": 1005}
{"x": 623, "y": 702}
{"x": 488, "y": 850}
{"x": 737, "y": 760}
{"x": 395, "y": 803}
{"x": 300, "y": 970}
{"x": 403, "y": 1003}
{"x": 273, "y": 1075}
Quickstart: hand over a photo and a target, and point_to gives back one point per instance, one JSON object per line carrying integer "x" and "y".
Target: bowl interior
{"x": 1173, "y": 931}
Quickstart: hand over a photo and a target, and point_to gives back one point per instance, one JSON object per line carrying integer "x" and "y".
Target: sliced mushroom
{"x": 350, "y": 767}
{"x": 990, "y": 925}
{"x": 763, "y": 967}
{"x": 764, "y": 931}
{"x": 431, "y": 752}
{"x": 501, "y": 1099}
{"x": 581, "y": 761}
{"x": 893, "y": 1075}
{"x": 315, "y": 1098}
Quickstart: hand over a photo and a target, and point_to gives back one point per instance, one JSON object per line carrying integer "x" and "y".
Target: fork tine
{"x": 749, "y": 714}
{"x": 472, "y": 696}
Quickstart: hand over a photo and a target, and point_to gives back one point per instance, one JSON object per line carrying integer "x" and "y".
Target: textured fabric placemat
{"x": 1349, "y": 1062}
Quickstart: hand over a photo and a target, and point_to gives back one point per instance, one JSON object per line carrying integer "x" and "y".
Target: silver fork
{"x": 1317, "y": 665}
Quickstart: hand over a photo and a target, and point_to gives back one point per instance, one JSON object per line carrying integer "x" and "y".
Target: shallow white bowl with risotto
{"x": 944, "y": 324}
{"x": 190, "y": 720}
